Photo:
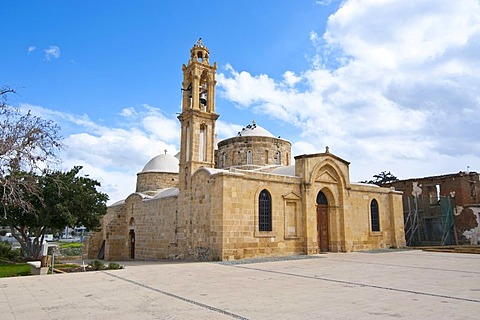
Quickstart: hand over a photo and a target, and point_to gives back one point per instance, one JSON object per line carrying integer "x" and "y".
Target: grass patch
{"x": 65, "y": 245}
{"x": 9, "y": 269}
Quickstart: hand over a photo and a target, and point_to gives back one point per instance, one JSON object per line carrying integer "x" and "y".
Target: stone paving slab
{"x": 400, "y": 284}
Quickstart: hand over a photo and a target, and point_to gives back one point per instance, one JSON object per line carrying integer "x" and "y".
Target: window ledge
{"x": 265, "y": 234}
{"x": 376, "y": 233}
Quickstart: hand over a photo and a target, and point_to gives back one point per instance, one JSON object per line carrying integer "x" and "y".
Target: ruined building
{"x": 241, "y": 197}
{"x": 441, "y": 210}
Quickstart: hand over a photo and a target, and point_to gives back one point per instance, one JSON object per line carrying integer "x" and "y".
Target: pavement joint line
{"x": 461, "y": 256}
{"x": 403, "y": 266}
{"x": 233, "y": 315}
{"x": 360, "y": 284}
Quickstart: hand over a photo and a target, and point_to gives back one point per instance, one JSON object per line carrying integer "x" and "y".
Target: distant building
{"x": 446, "y": 209}
{"x": 241, "y": 197}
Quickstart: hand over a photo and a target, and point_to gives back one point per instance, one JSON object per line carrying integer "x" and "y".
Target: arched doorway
{"x": 322, "y": 222}
{"x": 132, "y": 244}
{"x": 132, "y": 237}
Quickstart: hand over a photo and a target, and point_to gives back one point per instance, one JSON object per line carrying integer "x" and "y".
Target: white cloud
{"x": 393, "y": 83}
{"x": 31, "y": 49}
{"x": 113, "y": 154}
{"x": 290, "y": 79}
{"x": 159, "y": 126}
{"x": 226, "y": 130}
{"x": 303, "y": 147}
{"x": 324, "y": 2}
{"x": 128, "y": 112}
{"x": 53, "y": 52}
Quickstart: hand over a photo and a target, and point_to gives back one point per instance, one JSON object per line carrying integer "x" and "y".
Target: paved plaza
{"x": 362, "y": 285}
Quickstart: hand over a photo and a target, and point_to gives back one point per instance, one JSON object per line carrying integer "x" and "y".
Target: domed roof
{"x": 254, "y": 130}
{"x": 162, "y": 163}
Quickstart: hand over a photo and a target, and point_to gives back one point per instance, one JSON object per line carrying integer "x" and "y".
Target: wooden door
{"x": 322, "y": 227}
{"x": 132, "y": 244}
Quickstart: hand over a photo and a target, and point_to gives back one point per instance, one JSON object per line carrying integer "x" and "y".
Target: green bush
{"x": 114, "y": 266}
{"x": 7, "y": 253}
{"x": 97, "y": 265}
{"x": 69, "y": 251}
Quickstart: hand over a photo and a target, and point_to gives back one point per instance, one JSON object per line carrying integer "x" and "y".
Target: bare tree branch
{"x": 27, "y": 144}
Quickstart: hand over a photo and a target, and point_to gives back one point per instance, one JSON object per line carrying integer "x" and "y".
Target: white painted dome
{"x": 162, "y": 163}
{"x": 254, "y": 130}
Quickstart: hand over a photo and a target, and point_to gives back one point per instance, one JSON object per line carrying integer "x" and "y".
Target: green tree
{"x": 64, "y": 199}
{"x": 35, "y": 199}
{"x": 382, "y": 178}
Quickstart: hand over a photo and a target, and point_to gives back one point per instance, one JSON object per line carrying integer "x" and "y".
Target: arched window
{"x": 249, "y": 157}
{"x": 278, "y": 158}
{"x": 187, "y": 151}
{"x": 202, "y": 151}
{"x": 322, "y": 199}
{"x": 374, "y": 218}
{"x": 224, "y": 160}
{"x": 264, "y": 211}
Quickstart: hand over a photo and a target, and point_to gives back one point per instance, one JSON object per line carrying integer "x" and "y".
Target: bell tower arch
{"x": 198, "y": 115}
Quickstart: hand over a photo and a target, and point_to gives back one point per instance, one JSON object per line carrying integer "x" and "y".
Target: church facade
{"x": 241, "y": 197}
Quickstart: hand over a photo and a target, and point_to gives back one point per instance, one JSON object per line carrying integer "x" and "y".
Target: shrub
{"x": 7, "y": 253}
{"x": 70, "y": 251}
{"x": 114, "y": 266}
{"x": 97, "y": 265}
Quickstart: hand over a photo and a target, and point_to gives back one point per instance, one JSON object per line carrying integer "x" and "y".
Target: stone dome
{"x": 254, "y": 130}
{"x": 254, "y": 146}
{"x": 162, "y": 163}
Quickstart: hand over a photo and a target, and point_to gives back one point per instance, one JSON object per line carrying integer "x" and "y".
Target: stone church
{"x": 241, "y": 197}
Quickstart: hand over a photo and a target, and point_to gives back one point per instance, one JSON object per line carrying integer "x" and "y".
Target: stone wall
{"x": 153, "y": 222}
{"x": 264, "y": 151}
{"x": 151, "y": 181}
{"x": 115, "y": 233}
{"x": 348, "y": 206}
{"x": 359, "y": 229}
{"x": 241, "y": 237}
{"x": 200, "y": 236}
{"x": 217, "y": 218}
{"x": 92, "y": 244}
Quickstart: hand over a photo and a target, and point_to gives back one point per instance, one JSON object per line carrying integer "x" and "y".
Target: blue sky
{"x": 388, "y": 85}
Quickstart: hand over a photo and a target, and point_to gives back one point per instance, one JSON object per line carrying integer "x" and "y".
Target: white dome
{"x": 255, "y": 131}
{"x": 162, "y": 163}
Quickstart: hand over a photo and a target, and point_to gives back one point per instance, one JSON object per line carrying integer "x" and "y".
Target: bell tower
{"x": 198, "y": 115}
